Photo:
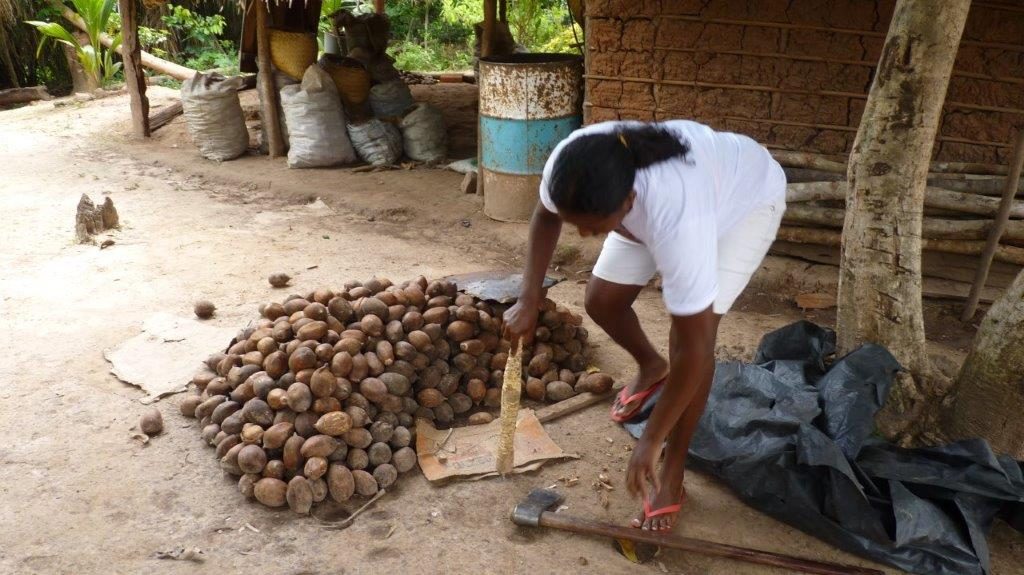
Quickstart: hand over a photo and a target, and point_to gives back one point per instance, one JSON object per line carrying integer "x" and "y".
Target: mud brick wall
{"x": 793, "y": 74}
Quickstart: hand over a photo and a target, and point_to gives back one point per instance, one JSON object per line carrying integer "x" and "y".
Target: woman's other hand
{"x": 520, "y": 321}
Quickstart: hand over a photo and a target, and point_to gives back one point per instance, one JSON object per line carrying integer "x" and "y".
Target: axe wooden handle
{"x": 578, "y": 525}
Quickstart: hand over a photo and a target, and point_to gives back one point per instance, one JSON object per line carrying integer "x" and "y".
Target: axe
{"x": 537, "y": 511}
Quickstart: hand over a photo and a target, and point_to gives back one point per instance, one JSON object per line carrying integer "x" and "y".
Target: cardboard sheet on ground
{"x": 163, "y": 358}
{"x": 468, "y": 452}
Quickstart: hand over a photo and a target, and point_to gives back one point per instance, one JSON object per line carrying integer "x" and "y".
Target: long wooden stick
{"x": 933, "y": 228}
{"x": 268, "y": 88}
{"x": 825, "y": 237}
{"x": 992, "y": 244}
{"x": 511, "y": 389}
{"x": 808, "y": 160}
{"x": 709, "y": 548}
{"x": 934, "y": 198}
{"x": 812, "y": 160}
{"x": 164, "y": 116}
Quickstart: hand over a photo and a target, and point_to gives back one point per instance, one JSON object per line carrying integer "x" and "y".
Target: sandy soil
{"x": 79, "y": 496}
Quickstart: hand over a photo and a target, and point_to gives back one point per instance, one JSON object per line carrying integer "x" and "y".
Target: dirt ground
{"x": 79, "y": 496}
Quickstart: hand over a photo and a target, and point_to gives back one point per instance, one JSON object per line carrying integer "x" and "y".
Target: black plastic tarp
{"x": 792, "y": 436}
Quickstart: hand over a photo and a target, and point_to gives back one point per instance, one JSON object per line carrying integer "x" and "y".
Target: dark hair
{"x": 593, "y": 174}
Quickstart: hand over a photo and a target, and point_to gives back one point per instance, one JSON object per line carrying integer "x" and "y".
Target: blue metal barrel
{"x": 528, "y": 103}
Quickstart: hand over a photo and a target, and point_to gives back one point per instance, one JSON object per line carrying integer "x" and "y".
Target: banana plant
{"x": 97, "y": 61}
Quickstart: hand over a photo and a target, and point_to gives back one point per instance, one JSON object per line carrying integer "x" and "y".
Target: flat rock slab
{"x": 163, "y": 358}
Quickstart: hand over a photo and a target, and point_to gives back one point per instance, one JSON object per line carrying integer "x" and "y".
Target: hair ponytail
{"x": 651, "y": 144}
{"x": 594, "y": 174}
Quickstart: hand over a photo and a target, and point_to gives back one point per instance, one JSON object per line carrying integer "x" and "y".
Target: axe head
{"x": 528, "y": 511}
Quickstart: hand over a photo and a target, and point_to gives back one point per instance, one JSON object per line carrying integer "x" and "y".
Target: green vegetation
{"x": 96, "y": 60}
{"x": 192, "y": 39}
{"x": 427, "y": 35}
{"x": 436, "y": 35}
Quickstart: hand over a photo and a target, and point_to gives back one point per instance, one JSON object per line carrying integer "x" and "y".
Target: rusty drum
{"x": 528, "y": 103}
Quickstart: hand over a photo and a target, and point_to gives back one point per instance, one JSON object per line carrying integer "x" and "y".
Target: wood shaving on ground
{"x": 181, "y": 554}
{"x": 348, "y": 520}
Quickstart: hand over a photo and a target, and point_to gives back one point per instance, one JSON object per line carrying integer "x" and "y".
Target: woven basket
{"x": 350, "y": 77}
{"x": 153, "y": 4}
{"x": 292, "y": 52}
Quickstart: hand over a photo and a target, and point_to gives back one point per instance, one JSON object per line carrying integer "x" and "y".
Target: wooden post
{"x": 268, "y": 88}
{"x": 1002, "y": 217}
{"x": 378, "y": 6}
{"x": 486, "y": 40}
{"x": 134, "y": 79}
{"x": 487, "y": 37}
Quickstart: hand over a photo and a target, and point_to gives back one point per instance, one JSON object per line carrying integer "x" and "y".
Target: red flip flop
{"x": 648, "y": 512}
{"x": 640, "y": 397}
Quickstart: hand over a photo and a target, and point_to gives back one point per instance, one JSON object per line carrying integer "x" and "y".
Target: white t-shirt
{"x": 683, "y": 207}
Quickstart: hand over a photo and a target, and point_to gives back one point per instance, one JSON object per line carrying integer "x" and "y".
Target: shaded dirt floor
{"x": 79, "y": 496}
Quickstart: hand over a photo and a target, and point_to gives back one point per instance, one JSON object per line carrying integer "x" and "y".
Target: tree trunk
{"x": 5, "y": 55}
{"x": 880, "y": 277}
{"x": 989, "y": 393}
{"x": 12, "y": 96}
{"x": 80, "y": 81}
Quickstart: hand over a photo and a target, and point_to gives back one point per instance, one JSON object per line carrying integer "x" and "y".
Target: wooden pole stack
{"x": 960, "y": 212}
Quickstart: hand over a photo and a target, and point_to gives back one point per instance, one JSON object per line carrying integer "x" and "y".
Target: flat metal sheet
{"x": 499, "y": 286}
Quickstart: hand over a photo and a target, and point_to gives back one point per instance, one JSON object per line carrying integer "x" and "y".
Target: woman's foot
{"x": 661, "y": 511}
{"x": 650, "y": 373}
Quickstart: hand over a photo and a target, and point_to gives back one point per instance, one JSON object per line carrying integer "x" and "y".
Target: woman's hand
{"x": 643, "y": 469}
{"x": 520, "y": 320}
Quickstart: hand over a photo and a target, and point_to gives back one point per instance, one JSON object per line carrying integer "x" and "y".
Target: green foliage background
{"x": 437, "y": 35}
{"x": 427, "y": 35}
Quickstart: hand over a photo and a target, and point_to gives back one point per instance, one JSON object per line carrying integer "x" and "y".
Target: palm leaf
{"x": 90, "y": 61}
{"x": 55, "y": 31}
{"x": 115, "y": 42}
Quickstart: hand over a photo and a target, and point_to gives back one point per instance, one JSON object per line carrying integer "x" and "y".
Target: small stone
{"x": 204, "y": 309}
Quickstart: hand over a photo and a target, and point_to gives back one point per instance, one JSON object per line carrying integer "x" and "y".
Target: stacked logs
{"x": 960, "y": 207}
{"x": 319, "y": 397}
